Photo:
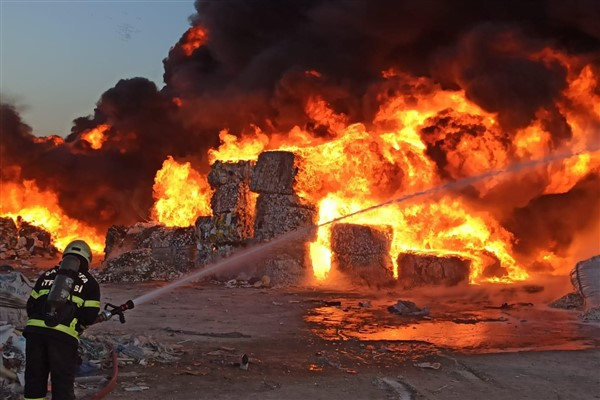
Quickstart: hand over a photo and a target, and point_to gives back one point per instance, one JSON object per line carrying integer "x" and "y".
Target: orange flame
{"x": 41, "y": 208}
{"x": 181, "y": 194}
{"x": 96, "y": 136}
{"x": 347, "y": 173}
{"x": 195, "y": 37}
{"x": 53, "y": 139}
{"x": 234, "y": 149}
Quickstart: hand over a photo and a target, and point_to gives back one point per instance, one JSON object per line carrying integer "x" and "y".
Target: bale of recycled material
{"x": 585, "y": 277}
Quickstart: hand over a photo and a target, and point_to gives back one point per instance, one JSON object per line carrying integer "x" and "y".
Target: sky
{"x": 58, "y": 57}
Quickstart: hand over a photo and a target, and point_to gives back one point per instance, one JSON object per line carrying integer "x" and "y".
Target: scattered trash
{"x": 141, "y": 350}
{"x": 12, "y": 348}
{"x": 506, "y": 306}
{"x": 408, "y": 308}
{"x": 14, "y": 292}
{"x": 271, "y": 385}
{"x": 429, "y": 365}
{"x": 136, "y": 388}
{"x": 189, "y": 371}
{"x": 478, "y": 320}
{"x": 533, "y": 288}
{"x": 230, "y": 335}
{"x": 245, "y": 362}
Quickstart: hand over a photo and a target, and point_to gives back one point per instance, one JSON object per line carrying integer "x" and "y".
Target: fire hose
{"x": 113, "y": 380}
{"x": 110, "y": 311}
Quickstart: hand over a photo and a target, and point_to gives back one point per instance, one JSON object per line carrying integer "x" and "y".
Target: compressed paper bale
{"x": 361, "y": 239}
{"x": 278, "y": 214}
{"x": 376, "y": 269}
{"x": 225, "y": 228}
{"x": 275, "y": 172}
{"x": 283, "y": 270}
{"x": 231, "y": 197}
{"x": 225, "y": 173}
{"x": 585, "y": 277}
{"x": 8, "y": 233}
{"x": 419, "y": 269}
{"x": 181, "y": 259}
{"x": 210, "y": 252}
{"x": 162, "y": 236}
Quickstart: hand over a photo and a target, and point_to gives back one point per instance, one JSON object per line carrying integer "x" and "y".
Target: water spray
{"x": 259, "y": 249}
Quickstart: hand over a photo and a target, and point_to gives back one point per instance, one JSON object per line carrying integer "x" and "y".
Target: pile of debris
{"x": 20, "y": 241}
{"x": 145, "y": 252}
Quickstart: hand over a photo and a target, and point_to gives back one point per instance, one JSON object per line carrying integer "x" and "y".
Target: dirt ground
{"x": 317, "y": 342}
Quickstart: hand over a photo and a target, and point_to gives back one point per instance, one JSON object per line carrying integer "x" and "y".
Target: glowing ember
{"x": 181, "y": 194}
{"x": 96, "y": 136}
{"x": 41, "y": 208}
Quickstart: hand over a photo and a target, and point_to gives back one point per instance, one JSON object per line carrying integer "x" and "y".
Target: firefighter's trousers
{"x": 45, "y": 355}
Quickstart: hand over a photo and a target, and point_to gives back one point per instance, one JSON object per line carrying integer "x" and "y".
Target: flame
{"x": 41, "y": 208}
{"x": 195, "y": 37}
{"x": 234, "y": 149}
{"x": 52, "y": 139}
{"x": 359, "y": 167}
{"x": 356, "y": 167}
{"x": 181, "y": 194}
{"x": 96, "y": 136}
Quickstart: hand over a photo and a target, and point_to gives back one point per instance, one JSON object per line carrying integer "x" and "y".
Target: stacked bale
{"x": 232, "y": 207}
{"x": 363, "y": 252}
{"x": 421, "y": 269}
{"x": 280, "y": 210}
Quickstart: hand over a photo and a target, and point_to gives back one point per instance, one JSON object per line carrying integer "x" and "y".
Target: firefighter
{"x": 64, "y": 301}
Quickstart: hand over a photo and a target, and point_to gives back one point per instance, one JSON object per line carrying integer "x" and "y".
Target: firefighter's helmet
{"x": 79, "y": 248}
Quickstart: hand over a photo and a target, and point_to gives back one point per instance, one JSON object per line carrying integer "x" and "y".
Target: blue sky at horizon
{"x": 58, "y": 57}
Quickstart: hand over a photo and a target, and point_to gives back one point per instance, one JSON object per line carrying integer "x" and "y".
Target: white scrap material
{"x": 586, "y": 279}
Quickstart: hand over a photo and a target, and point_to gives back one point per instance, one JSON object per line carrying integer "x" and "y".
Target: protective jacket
{"x": 80, "y": 310}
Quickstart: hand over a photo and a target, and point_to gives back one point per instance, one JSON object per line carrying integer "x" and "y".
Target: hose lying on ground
{"x": 113, "y": 380}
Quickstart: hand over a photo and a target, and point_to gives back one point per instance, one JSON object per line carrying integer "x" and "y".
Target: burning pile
{"x": 330, "y": 107}
{"x": 22, "y": 241}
